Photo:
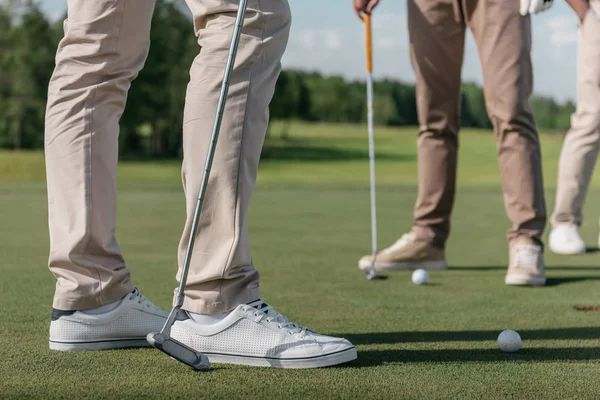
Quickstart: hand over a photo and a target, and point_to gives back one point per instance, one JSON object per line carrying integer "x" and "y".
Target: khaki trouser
{"x": 105, "y": 46}
{"x": 437, "y": 34}
{"x": 582, "y": 142}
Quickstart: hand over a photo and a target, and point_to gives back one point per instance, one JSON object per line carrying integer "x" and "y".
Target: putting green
{"x": 309, "y": 224}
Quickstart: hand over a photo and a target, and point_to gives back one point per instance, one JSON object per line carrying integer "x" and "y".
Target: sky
{"x": 328, "y": 37}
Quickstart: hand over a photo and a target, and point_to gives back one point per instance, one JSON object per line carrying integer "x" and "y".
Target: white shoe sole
{"x": 405, "y": 266}
{"x": 325, "y": 360}
{"x": 523, "y": 280}
{"x": 112, "y": 344}
{"x": 558, "y": 244}
{"x": 567, "y": 252}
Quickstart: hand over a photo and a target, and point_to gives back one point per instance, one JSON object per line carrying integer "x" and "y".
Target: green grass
{"x": 323, "y": 153}
{"x": 309, "y": 223}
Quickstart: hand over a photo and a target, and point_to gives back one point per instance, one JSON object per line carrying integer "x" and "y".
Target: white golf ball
{"x": 420, "y": 277}
{"x": 509, "y": 341}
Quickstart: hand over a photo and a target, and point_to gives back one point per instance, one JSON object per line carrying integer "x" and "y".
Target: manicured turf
{"x": 309, "y": 223}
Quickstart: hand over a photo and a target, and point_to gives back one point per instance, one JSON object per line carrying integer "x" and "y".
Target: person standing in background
{"x": 582, "y": 142}
{"x": 502, "y": 31}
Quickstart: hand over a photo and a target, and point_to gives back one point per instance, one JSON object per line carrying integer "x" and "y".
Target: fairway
{"x": 309, "y": 224}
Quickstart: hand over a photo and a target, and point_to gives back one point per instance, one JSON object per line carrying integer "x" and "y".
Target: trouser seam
{"x": 241, "y": 152}
{"x": 89, "y": 177}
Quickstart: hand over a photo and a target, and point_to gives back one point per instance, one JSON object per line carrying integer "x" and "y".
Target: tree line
{"x": 152, "y": 122}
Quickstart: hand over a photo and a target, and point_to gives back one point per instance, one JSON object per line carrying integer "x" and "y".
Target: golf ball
{"x": 509, "y": 341}
{"x": 420, "y": 277}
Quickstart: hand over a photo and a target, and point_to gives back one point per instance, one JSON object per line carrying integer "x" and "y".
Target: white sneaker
{"x": 526, "y": 264}
{"x": 126, "y": 326}
{"x": 565, "y": 239}
{"x": 257, "y": 335}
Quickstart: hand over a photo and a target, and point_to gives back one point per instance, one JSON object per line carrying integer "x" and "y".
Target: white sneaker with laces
{"x": 565, "y": 239}
{"x": 125, "y": 326}
{"x": 257, "y": 335}
{"x": 526, "y": 265}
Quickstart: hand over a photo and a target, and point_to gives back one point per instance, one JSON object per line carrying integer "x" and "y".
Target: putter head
{"x": 370, "y": 273}
{"x": 179, "y": 351}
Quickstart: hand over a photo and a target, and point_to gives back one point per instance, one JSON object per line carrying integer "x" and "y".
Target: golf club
{"x": 370, "y": 272}
{"x": 162, "y": 340}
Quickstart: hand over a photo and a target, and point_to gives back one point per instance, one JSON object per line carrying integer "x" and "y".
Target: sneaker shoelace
{"x": 527, "y": 256}
{"x": 267, "y": 313}
{"x": 141, "y": 299}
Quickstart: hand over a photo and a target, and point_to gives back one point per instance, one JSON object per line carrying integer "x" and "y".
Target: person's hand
{"x": 535, "y": 6}
{"x": 582, "y": 12}
{"x": 581, "y": 8}
{"x": 364, "y": 7}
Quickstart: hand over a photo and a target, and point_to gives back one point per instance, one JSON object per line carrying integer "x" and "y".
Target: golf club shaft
{"x": 211, "y": 150}
{"x": 372, "y": 168}
{"x": 369, "y": 43}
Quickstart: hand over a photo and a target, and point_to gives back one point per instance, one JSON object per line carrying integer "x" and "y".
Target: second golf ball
{"x": 420, "y": 277}
{"x": 509, "y": 341}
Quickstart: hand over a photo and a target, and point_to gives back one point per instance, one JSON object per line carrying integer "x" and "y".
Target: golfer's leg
{"x": 222, "y": 275}
{"x": 503, "y": 38}
{"x": 580, "y": 149}
{"x": 104, "y": 46}
{"x": 437, "y": 46}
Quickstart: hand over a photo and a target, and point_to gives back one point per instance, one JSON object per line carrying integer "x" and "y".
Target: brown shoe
{"x": 526, "y": 267}
{"x": 409, "y": 252}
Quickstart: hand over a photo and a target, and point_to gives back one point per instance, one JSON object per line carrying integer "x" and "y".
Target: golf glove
{"x": 535, "y": 6}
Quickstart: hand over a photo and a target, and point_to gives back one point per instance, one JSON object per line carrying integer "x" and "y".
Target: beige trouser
{"x": 105, "y": 46}
{"x": 582, "y": 142}
{"x": 437, "y": 35}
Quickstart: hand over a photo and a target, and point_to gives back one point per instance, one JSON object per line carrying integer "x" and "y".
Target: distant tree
{"x": 5, "y": 83}
{"x": 156, "y": 99}
{"x": 563, "y": 117}
{"x": 474, "y": 111}
{"x": 153, "y": 120}
{"x": 545, "y": 110}
{"x": 27, "y": 66}
{"x": 292, "y": 97}
{"x": 405, "y": 102}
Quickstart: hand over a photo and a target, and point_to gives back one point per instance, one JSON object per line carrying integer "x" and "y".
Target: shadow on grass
{"x": 470, "y": 336}
{"x": 302, "y": 152}
{"x": 591, "y": 250}
{"x": 371, "y": 358}
{"x": 550, "y": 282}
{"x": 504, "y": 267}
{"x": 381, "y": 277}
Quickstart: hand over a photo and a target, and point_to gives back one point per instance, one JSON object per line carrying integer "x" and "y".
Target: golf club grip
{"x": 369, "y": 42}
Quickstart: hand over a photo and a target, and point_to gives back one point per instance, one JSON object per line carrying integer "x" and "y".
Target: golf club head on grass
{"x": 179, "y": 351}
{"x": 370, "y": 273}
